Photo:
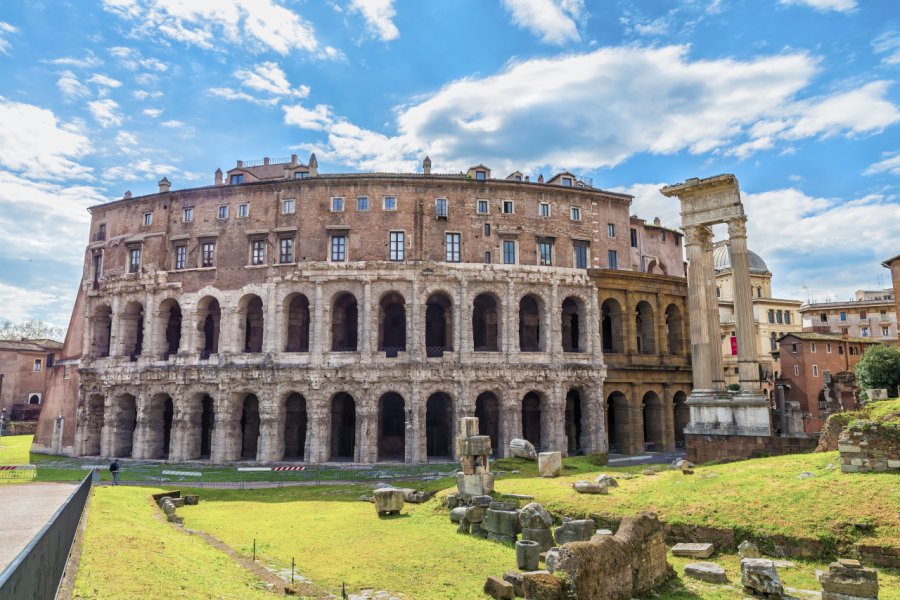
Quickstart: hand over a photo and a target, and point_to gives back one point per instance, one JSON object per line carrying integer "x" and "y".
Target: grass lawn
{"x": 14, "y": 449}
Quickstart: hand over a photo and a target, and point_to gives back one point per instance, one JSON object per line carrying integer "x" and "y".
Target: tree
{"x": 34, "y": 329}
{"x": 878, "y": 368}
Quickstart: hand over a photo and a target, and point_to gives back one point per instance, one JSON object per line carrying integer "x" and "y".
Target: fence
{"x": 17, "y": 472}
{"x": 38, "y": 570}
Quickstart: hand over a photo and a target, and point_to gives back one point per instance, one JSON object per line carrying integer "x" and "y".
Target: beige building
{"x": 24, "y": 370}
{"x": 773, "y": 317}
{"x": 870, "y": 314}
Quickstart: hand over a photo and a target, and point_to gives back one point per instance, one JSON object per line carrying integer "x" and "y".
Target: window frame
{"x": 486, "y": 230}
{"x": 180, "y": 257}
{"x": 611, "y": 231}
{"x": 257, "y": 252}
{"x": 285, "y": 203}
{"x": 384, "y": 203}
{"x": 796, "y": 370}
{"x": 222, "y": 212}
{"x": 291, "y": 254}
{"x": 243, "y": 211}
{"x": 148, "y": 219}
{"x": 512, "y": 207}
{"x": 510, "y": 249}
{"x": 438, "y": 202}
{"x": 134, "y": 266}
{"x": 575, "y": 213}
{"x": 541, "y": 210}
{"x": 207, "y": 254}
{"x": 633, "y": 237}
{"x": 480, "y": 175}
{"x": 362, "y": 204}
{"x": 545, "y": 252}
{"x": 187, "y": 214}
{"x": 815, "y": 370}
{"x": 38, "y": 365}
{"x": 581, "y": 249}
{"x": 612, "y": 259}
{"x": 397, "y": 246}
{"x": 337, "y": 204}
{"x": 485, "y": 203}
{"x": 236, "y": 179}
{"x": 337, "y": 247}
{"x": 452, "y": 247}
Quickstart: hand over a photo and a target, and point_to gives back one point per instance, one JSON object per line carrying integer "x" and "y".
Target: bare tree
{"x": 33, "y": 329}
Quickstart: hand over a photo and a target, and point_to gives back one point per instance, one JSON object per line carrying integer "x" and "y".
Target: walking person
{"x": 114, "y": 469}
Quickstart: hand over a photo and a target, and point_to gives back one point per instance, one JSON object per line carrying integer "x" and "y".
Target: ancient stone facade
{"x": 342, "y": 318}
{"x": 867, "y": 447}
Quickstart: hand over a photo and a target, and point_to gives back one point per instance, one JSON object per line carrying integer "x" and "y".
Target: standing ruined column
{"x": 319, "y": 339}
{"x": 364, "y": 325}
{"x": 712, "y": 313}
{"x": 629, "y": 326}
{"x": 700, "y": 346}
{"x": 270, "y": 447}
{"x": 745, "y": 325}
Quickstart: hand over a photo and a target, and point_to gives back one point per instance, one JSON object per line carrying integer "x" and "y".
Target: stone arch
{"x": 101, "y": 334}
{"x": 682, "y": 416}
{"x": 343, "y": 427}
{"x": 533, "y": 419}
{"x": 574, "y": 424}
{"x": 132, "y": 328}
{"x": 617, "y": 423}
{"x": 645, "y": 328}
{"x": 392, "y": 323}
{"x": 438, "y": 324}
{"x": 654, "y": 422}
{"x": 487, "y": 410}
{"x": 169, "y": 321}
{"x": 344, "y": 323}
{"x": 486, "y": 323}
{"x": 674, "y": 330}
{"x": 252, "y": 323}
{"x": 249, "y": 428}
{"x": 92, "y": 425}
{"x": 391, "y": 427}
{"x": 439, "y": 426}
{"x": 574, "y": 325}
{"x": 295, "y": 422}
{"x": 531, "y": 319}
{"x": 209, "y": 320}
{"x": 123, "y": 421}
{"x": 160, "y": 416}
{"x": 297, "y": 320}
{"x": 611, "y": 327}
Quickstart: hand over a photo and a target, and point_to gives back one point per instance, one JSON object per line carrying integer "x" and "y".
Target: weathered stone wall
{"x": 867, "y": 447}
{"x": 706, "y": 448}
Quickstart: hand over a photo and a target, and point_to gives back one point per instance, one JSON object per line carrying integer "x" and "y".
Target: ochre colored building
{"x": 24, "y": 372}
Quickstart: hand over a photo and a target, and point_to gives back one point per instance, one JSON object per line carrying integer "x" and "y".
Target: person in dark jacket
{"x": 114, "y": 469}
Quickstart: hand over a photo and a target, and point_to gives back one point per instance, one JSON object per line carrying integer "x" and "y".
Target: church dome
{"x": 722, "y": 259}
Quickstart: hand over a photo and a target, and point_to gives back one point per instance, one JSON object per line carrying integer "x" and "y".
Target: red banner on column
{"x": 734, "y": 345}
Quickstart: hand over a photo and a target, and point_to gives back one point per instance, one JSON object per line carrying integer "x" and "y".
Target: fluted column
{"x": 712, "y": 314}
{"x": 745, "y": 326}
{"x": 701, "y": 361}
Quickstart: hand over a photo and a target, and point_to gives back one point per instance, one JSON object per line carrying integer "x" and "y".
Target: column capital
{"x": 697, "y": 234}
{"x": 737, "y": 227}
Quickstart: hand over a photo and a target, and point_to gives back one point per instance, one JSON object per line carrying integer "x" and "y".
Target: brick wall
{"x": 867, "y": 447}
{"x": 707, "y": 448}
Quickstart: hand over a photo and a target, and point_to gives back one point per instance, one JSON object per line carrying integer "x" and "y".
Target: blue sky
{"x": 798, "y": 98}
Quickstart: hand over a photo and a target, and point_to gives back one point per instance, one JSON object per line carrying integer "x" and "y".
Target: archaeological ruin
{"x": 284, "y": 314}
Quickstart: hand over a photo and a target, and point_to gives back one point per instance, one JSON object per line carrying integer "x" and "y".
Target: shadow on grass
{"x": 676, "y": 590}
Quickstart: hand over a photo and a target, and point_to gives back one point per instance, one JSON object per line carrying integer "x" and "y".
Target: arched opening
{"x": 102, "y": 330}
{"x": 133, "y": 330}
{"x": 392, "y": 324}
{"x": 531, "y": 419}
{"x": 209, "y": 317}
{"x": 485, "y": 324}
{"x": 530, "y": 338}
{"x": 391, "y": 427}
{"x": 207, "y": 423}
{"x": 124, "y": 422}
{"x": 344, "y": 324}
{"x": 159, "y": 432}
{"x": 674, "y": 330}
{"x": 654, "y": 427}
{"x": 644, "y": 327}
{"x": 682, "y": 417}
{"x": 438, "y": 425}
{"x": 611, "y": 327}
{"x": 438, "y": 325}
{"x": 294, "y": 427}
{"x": 250, "y": 309}
{"x": 297, "y": 334}
{"x": 343, "y": 427}
{"x": 34, "y": 399}
{"x": 93, "y": 425}
{"x": 249, "y": 427}
{"x": 573, "y": 422}
{"x": 169, "y": 320}
{"x": 487, "y": 410}
{"x": 617, "y": 422}
{"x": 573, "y": 331}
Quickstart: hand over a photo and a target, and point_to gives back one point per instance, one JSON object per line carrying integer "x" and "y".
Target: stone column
{"x": 629, "y": 327}
{"x": 745, "y": 326}
{"x": 272, "y": 330}
{"x": 554, "y": 332}
{"x": 668, "y": 408}
{"x": 226, "y": 439}
{"x": 701, "y": 361}
{"x": 364, "y": 325}
{"x": 635, "y": 421}
{"x": 145, "y": 434}
{"x": 318, "y": 431}
{"x": 319, "y": 336}
{"x": 463, "y": 325}
{"x": 270, "y": 447}
{"x": 415, "y": 333}
{"x": 185, "y": 441}
{"x": 366, "y": 431}
{"x": 712, "y": 314}
{"x": 412, "y": 425}
{"x": 187, "y": 343}
{"x": 662, "y": 340}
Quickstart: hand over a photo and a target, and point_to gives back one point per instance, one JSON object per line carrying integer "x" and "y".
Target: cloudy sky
{"x": 798, "y": 98}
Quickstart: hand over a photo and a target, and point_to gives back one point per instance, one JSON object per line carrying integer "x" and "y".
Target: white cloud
{"x": 232, "y": 94}
{"x": 88, "y": 62}
{"x": 143, "y": 169}
{"x": 19, "y": 304}
{"x": 379, "y": 15}
{"x": 268, "y": 77}
{"x": 34, "y": 143}
{"x": 317, "y": 119}
{"x": 104, "y": 80}
{"x": 152, "y": 112}
{"x": 262, "y": 24}
{"x": 172, "y": 123}
{"x": 105, "y": 112}
{"x": 144, "y": 94}
{"x": 555, "y": 21}
{"x": 889, "y": 164}
{"x": 71, "y": 87}
{"x": 888, "y": 44}
{"x": 133, "y": 60}
{"x": 5, "y": 29}
{"x": 825, "y": 5}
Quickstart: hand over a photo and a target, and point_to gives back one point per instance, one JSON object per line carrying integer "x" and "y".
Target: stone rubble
{"x": 748, "y": 549}
{"x": 590, "y": 487}
{"x": 847, "y": 579}
{"x": 706, "y": 571}
{"x": 527, "y": 555}
{"x": 499, "y": 589}
{"x": 701, "y": 550}
{"x": 389, "y": 501}
{"x": 759, "y": 576}
{"x": 550, "y": 464}
{"x": 609, "y": 481}
{"x": 579, "y": 530}
{"x": 522, "y": 449}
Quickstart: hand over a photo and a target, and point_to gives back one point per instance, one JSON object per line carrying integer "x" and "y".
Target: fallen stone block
{"x": 192, "y": 500}
{"x": 389, "y": 501}
{"x": 500, "y": 505}
{"x": 648, "y": 472}
{"x": 498, "y": 588}
{"x": 177, "y": 502}
{"x": 502, "y": 522}
{"x": 464, "y": 527}
{"x": 475, "y": 514}
{"x": 522, "y": 449}
{"x": 574, "y": 531}
{"x": 758, "y": 575}
{"x": 477, "y": 530}
{"x": 848, "y": 580}
{"x": 684, "y": 464}
{"x": 706, "y": 571}
{"x": 609, "y": 481}
{"x": 590, "y": 487}
{"x": 687, "y": 471}
{"x": 453, "y": 501}
{"x": 748, "y": 549}
{"x": 173, "y": 518}
{"x": 541, "y": 585}
{"x": 527, "y": 555}
{"x": 551, "y": 559}
{"x": 550, "y": 464}
{"x": 704, "y": 550}
{"x": 515, "y": 578}
{"x": 542, "y": 535}
{"x": 533, "y": 516}
{"x": 458, "y": 514}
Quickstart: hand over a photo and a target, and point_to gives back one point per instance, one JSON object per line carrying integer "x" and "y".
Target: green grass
{"x": 14, "y": 449}
{"x": 883, "y": 411}
{"x": 128, "y": 553}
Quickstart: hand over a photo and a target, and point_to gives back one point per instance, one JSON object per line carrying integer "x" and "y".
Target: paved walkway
{"x": 26, "y": 508}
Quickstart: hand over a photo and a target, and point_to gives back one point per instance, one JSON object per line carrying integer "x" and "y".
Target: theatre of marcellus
{"x": 282, "y": 314}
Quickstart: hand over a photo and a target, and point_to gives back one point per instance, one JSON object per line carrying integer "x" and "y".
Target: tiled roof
{"x": 815, "y": 336}
{"x": 30, "y": 345}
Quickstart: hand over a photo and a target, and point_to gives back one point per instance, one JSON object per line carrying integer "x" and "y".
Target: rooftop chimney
{"x": 218, "y": 176}
{"x": 313, "y": 165}
{"x": 656, "y": 221}
{"x": 286, "y": 173}
{"x": 426, "y": 165}
{"x": 541, "y": 178}
{"x": 266, "y": 160}
{"x": 164, "y": 185}
{"x": 127, "y": 195}
{"x": 293, "y": 159}
{"x": 240, "y": 164}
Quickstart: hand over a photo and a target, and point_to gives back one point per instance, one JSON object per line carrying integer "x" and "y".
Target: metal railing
{"x": 38, "y": 570}
{"x": 17, "y": 472}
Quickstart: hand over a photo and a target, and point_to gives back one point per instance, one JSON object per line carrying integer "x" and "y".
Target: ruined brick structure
{"x": 284, "y": 314}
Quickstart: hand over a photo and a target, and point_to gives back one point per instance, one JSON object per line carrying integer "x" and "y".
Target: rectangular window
{"x": 581, "y": 256}
{"x": 148, "y": 219}
{"x": 338, "y": 248}
{"x": 101, "y": 232}
{"x": 452, "y": 241}
{"x": 480, "y": 175}
{"x": 207, "y": 254}
{"x": 134, "y": 260}
{"x": 843, "y": 316}
{"x": 98, "y": 265}
{"x": 797, "y": 370}
{"x": 779, "y": 317}
{"x": 575, "y": 213}
{"x": 180, "y": 257}
{"x": 771, "y": 315}
{"x": 815, "y": 370}
{"x": 567, "y": 181}
{"x": 885, "y": 332}
{"x": 37, "y": 365}
{"x": 509, "y": 252}
{"x": 287, "y": 206}
{"x": 787, "y": 317}
{"x": 544, "y": 208}
{"x": 223, "y": 212}
{"x": 634, "y": 238}
{"x": 612, "y": 259}
{"x": 441, "y": 210}
{"x": 482, "y": 207}
{"x": 812, "y": 347}
{"x": 337, "y": 204}
{"x": 301, "y": 175}
{"x": 518, "y": 178}
{"x": 862, "y": 314}
{"x": 823, "y": 317}
{"x": 187, "y": 215}
{"x": 390, "y": 203}
{"x": 487, "y": 230}
{"x": 487, "y": 258}
{"x": 840, "y": 349}
{"x": 545, "y": 253}
{"x": 362, "y": 203}
{"x": 243, "y": 210}
{"x": 662, "y": 236}
{"x": 286, "y": 250}
{"x": 235, "y": 179}
{"x": 794, "y": 347}
{"x": 611, "y": 230}
{"x": 507, "y": 207}
{"x": 827, "y": 348}
{"x": 864, "y": 332}
{"x": 257, "y": 252}
{"x": 396, "y": 240}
